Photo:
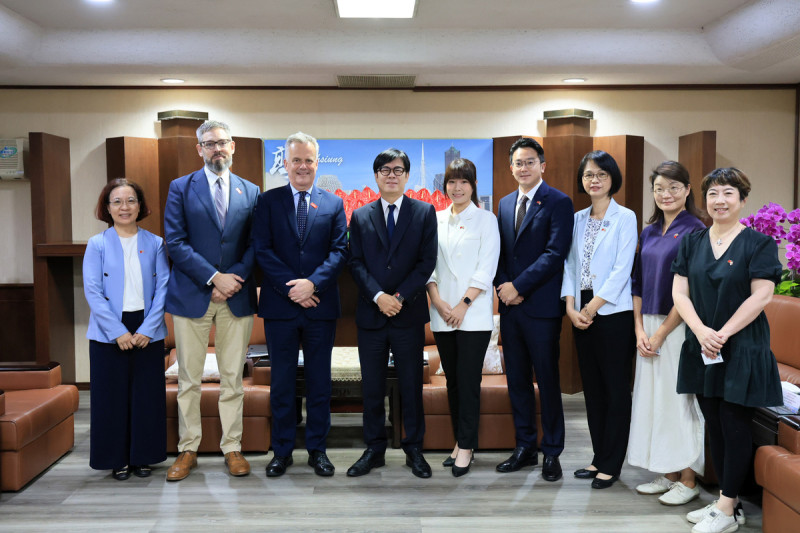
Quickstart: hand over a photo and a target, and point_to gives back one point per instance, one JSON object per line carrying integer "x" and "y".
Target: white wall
{"x": 755, "y": 131}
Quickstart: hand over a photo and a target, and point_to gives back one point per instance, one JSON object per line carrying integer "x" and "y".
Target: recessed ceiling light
{"x": 385, "y": 9}
{"x": 644, "y": 1}
{"x": 172, "y": 80}
{"x": 574, "y": 80}
{"x": 99, "y": 1}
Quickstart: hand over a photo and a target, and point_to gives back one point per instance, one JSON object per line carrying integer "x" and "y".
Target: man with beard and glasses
{"x": 207, "y": 223}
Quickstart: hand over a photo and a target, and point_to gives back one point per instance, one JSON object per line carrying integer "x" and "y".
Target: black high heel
{"x": 459, "y": 471}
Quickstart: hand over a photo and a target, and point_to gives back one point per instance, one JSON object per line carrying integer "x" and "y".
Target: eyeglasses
{"x": 530, "y": 163}
{"x": 397, "y": 171}
{"x": 210, "y": 145}
{"x": 601, "y": 176}
{"x": 674, "y": 190}
{"x": 117, "y": 203}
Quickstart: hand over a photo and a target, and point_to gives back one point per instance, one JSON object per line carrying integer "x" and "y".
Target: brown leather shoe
{"x": 182, "y": 466}
{"x": 237, "y": 464}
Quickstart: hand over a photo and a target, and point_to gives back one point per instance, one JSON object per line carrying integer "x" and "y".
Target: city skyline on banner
{"x": 346, "y": 164}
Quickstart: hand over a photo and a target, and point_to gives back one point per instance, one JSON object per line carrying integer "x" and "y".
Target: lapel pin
{"x": 461, "y": 227}
{"x": 675, "y": 236}
{"x": 238, "y": 190}
{"x": 538, "y": 202}
{"x": 730, "y": 262}
{"x": 141, "y": 251}
{"x": 313, "y": 205}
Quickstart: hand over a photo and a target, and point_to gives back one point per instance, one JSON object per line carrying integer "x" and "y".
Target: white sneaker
{"x": 679, "y": 494}
{"x": 699, "y": 515}
{"x": 716, "y": 522}
{"x": 659, "y": 485}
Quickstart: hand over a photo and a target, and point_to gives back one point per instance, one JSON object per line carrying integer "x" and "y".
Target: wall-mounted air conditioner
{"x": 11, "y": 166}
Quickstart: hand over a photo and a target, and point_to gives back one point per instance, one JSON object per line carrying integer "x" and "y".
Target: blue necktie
{"x": 219, "y": 203}
{"x": 302, "y": 214}
{"x": 390, "y": 221}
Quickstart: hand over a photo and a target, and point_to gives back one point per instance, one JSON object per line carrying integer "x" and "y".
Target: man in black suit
{"x": 393, "y": 250}
{"x": 535, "y": 234}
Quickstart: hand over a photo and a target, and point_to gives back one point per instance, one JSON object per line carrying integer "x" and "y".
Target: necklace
{"x": 719, "y": 241}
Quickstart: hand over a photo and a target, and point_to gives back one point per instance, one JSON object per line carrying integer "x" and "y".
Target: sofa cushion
{"x": 210, "y": 369}
{"x": 256, "y": 399}
{"x": 38, "y": 378}
{"x": 494, "y": 396}
{"x": 31, "y": 413}
{"x": 779, "y": 473}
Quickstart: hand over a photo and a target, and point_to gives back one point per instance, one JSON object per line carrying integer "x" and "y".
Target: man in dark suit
{"x": 207, "y": 230}
{"x": 300, "y": 241}
{"x": 393, "y": 253}
{"x": 535, "y": 234}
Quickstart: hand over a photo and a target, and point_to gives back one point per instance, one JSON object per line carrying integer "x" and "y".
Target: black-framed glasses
{"x": 601, "y": 176}
{"x": 397, "y": 171}
{"x": 210, "y": 145}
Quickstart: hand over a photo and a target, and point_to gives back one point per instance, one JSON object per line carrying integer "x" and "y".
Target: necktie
{"x": 219, "y": 203}
{"x": 523, "y": 208}
{"x": 390, "y": 221}
{"x": 302, "y": 214}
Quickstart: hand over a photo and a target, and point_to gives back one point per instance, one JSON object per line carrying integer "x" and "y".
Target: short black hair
{"x": 727, "y": 176}
{"x": 101, "y": 209}
{"x": 389, "y": 155}
{"x": 605, "y": 162}
{"x": 526, "y": 142}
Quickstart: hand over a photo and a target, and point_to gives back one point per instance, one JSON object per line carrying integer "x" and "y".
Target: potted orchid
{"x": 772, "y": 220}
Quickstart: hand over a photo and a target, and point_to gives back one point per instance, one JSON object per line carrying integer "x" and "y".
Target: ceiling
{"x": 448, "y": 43}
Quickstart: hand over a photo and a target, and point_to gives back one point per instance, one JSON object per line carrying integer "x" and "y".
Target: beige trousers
{"x": 191, "y": 340}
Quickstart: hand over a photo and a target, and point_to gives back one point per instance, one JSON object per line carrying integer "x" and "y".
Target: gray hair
{"x": 302, "y": 138}
{"x": 209, "y": 125}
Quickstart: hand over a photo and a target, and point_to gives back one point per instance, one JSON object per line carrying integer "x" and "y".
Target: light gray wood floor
{"x": 72, "y": 497}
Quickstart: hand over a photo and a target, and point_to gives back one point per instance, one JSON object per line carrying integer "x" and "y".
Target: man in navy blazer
{"x": 393, "y": 250}
{"x": 207, "y": 222}
{"x": 535, "y": 234}
{"x": 300, "y": 241}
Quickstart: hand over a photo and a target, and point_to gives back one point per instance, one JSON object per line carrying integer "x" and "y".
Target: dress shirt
{"x": 296, "y": 197}
{"x": 385, "y": 206}
{"x": 226, "y": 184}
{"x": 530, "y": 194}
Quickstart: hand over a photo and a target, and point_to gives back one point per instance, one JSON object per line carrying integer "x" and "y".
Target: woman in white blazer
{"x": 461, "y": 295}
{"x": 597, "y": 289}
{"x": 125, "y": 275}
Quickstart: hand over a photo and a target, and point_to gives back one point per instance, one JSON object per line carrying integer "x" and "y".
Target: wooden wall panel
{"x": 136, "y": 159}
{"x": 698, "y": 153}
{"x": 628, "y": 152}
{"x": 16, "y": 323}
{"x": 503, "y": 182}
{"x": 248, "y": 161}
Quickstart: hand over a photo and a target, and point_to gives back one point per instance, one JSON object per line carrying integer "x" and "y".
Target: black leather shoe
{"x": 551, "y": 468}
{"x": 277, "y": 467}
{"x": 121, "y": 474}
{"x": 450, "y": 461}
{"x": 419, "y": 466}
{"x": 369, "y": 459}
{"x": 521, "y": 457}
{"x": 459, "y": 471}
{"x": 585, "y": 473}
{"x": 142, "y": 471}
{"x": 598, "y": 483}
{"x": 322, "y": 465}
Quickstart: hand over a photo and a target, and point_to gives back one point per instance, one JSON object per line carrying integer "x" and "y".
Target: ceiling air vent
{"x": 376, "y": 81}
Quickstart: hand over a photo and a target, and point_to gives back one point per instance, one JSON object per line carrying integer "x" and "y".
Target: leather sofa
{"x": 256, "y": 417}
{"x": 496, "y": 423}
{"x": 37, "y": 424}
{"x": 777, "y": 468}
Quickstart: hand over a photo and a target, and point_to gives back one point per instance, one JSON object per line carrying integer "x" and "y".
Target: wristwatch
{"x": 467, "y": 300}
{"x": 399, "y": 298}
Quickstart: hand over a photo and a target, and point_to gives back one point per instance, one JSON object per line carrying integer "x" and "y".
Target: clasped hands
{"x": 129, "y": 342}
{"x": 453, "y": 316}
{"x": 581, "y": 319}
{"x": 711, "y": 341}
{"x": 225, "y": 286}
{"x": 302, "y": 293}
{"x": 389, "y": 305}
{"x": 508, "y": 294}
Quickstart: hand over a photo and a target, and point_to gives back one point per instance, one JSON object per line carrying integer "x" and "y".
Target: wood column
{"x": 698, "y": 153}
{"x": 136, "y": 159}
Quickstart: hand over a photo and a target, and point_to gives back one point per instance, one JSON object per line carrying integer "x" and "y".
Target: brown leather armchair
{"x": 777, "y": 469}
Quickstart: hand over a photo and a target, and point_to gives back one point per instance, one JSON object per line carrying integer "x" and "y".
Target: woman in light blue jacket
{"x": 597, "y": 290}
{"x": 125, "y": 274}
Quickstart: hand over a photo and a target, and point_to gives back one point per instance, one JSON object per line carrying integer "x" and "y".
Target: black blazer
{"x": 403, "y": 265}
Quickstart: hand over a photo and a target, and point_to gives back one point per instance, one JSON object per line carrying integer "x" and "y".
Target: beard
{"x": 219, "y": 165}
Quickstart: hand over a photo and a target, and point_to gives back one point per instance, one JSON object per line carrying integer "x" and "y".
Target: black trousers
{"x": 373, "y": 353}
{"x": 128, "y": 402}
{"x": 605, "y": 357}
{"x": 731, "y": 441}
{"x": 462, "y": 354}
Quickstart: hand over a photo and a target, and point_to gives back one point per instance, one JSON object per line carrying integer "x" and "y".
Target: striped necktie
{"x": 219, "y": 203}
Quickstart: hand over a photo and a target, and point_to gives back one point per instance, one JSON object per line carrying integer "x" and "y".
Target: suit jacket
{"x": 198, "y": 246}
{"x": 282, "y": 256}
{"x": 611, "y": 263}
{"x": 468, "y": 260}
{"x": 403, "y": 265}
{"x": 104, "y": 284}
{"x": 533, "y": 259}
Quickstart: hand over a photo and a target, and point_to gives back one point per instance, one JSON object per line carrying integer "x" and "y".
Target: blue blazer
{"x": 533, "y": 260}
{"x": 402, "y": 265}
{"x": 199, "y": 247}
{"x": 104, "y": 283}
{"x": 611, "y": 263}
{"x": 282, "y": 256}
